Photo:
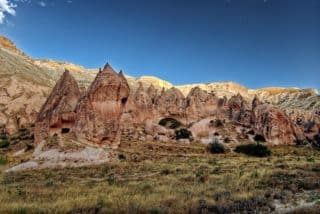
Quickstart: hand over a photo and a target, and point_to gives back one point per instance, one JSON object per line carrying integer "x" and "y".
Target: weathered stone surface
{"x": 143, "y": 106}
{"x": 200, "y": 104}
{"x": 171, "y": 103}
{"x": 58, "y": 113}
{"x": 99, "y": 110}
{"x": 239, "y": 110}
{"x": 275, "y": 125}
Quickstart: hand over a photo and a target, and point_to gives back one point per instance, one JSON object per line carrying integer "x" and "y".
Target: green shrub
{"x": 253, "y": 149}
{"x": 122, "y": 157}
{"x": 170, "y": 123}
{"x": 227, "y": 140}
{"x": 216, "y": 147}
{"x": 4, "y": 143}
{"x": 3, "y": 160}
{"x": 183, "y": 134}
{"x": 317, "y": 140}
{"x": 259, "y": 138}
{"x": 3, "y": 136}
{"x": 250, "y": 132}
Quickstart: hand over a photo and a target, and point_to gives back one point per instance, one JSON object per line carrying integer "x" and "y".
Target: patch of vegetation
{"x": 216, "y": 147}
{"x": 121, "y": 157}
{"x": 3, "y": 160}
{"x": 183, "y": 134}
{"x": 203, "y": 183}
{"x": 250, "y": 132}
{"x": 317, "y": 140}
{"x": 3, "y": 136}
{"x": 227, "y": 140}
{"x": 4, "y": 143}
{"x": 259, "y": 138}
{"x": 253, "y": 149}
{"x": 22, "y": 134}
{"x": 170, "y": 123}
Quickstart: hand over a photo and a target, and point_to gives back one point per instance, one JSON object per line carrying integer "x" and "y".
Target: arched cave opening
{"x": 124, "y": 101}
{"x": 65, "y": 130}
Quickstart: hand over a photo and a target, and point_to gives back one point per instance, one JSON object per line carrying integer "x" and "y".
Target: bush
{"x": 4, "y": 143}
{"x": 122, "y": 157}
{"x": 259, "y": 138}
{"x": 3, "y": 136}
{"x": 216, "y": 147}
{"x": 3, "y": 160}
{"x": 227, "y": 140}
{"x": 183, "y": 134}
{"x": 170, "y": 123}
{"x": 257, "y": 150}
{"x": 250, "y": 132}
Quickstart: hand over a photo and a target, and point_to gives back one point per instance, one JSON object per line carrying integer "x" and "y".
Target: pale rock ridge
{"x": 7, "y": 44}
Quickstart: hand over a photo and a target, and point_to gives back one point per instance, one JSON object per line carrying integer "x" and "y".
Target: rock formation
{"x": 99, "y": 110}
{"x": 171, "y": 103}
{"x": 200, "y": 104}
{"x": 58, "y": 115}
{"x": 274, "y": 125}
{"x": 143, "y": 106}
{"x": 26, "y": 83}
{"x": 239, "y": 110}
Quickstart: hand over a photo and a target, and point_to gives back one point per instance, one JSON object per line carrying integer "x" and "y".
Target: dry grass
{"x": 165, "y": 178}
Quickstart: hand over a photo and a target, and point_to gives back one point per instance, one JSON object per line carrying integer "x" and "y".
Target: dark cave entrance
{"x": 65, "y": 130}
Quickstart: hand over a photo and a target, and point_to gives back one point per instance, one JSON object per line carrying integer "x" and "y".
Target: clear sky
{"x": 257, "y": 43}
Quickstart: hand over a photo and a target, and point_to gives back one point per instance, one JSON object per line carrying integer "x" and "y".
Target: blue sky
{"x": 257, "y": 43}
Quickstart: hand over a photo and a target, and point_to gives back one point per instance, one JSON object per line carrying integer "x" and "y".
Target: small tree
{"x": 4, "y": 143}
{"x": 183, "y": 134}
{"x": 216, "y": 147}
{"x": 259, "y": 138}
{"x": 254, "y": 149}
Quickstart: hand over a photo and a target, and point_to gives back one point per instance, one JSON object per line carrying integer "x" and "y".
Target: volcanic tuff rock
{"x": 272, "y": 123}
{"x": 25, "y": 84}
{"x": 171, "y": 103}
{"x": 99, "y": 110}
{"x": 58, "y": 115}
{"x": 200, "y": 104}
{"x": 142, "y": 108}
{"x": 239, "y": 110}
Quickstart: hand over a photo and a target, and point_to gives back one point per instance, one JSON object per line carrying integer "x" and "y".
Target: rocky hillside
{"x": 26, "y": 82}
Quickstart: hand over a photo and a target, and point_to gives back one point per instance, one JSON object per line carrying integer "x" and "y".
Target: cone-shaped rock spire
{"x": 58, "y": 112}
{"x": 99, "y": 111}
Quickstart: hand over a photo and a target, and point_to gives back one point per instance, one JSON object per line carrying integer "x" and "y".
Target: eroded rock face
{"x": 143, "y": 106}
{"x": 99, "y": 110}
{"x": 200, "y": 104}
{"x": 275, "y": 125}
{"x": 239, "y": 110}
{"x": 171, "y": 103}
{"x": 58, "y": 113}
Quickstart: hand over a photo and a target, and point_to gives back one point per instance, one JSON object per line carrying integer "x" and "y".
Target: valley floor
{"x": 170, "y": 178}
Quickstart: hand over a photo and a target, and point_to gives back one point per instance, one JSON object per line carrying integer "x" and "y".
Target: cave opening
{"x": 65, "y": 130}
